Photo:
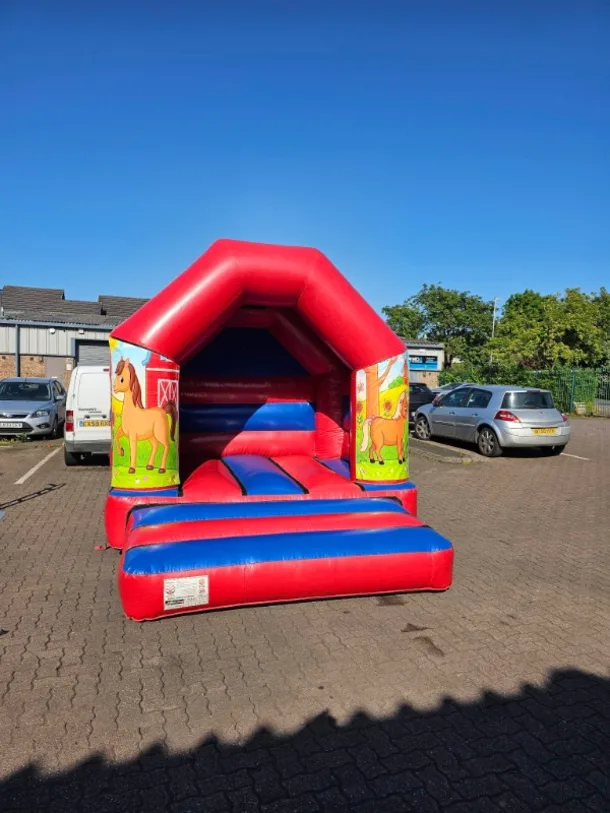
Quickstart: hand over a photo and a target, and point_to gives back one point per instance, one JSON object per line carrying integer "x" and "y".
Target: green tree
{"x": 459, "y": 319}
{"x": 526, "y": 331}
{"x": 543, "y": 331}
{"x": 602, "y": 302}
{"x": 583, "y": 333}
{"x": 405, "y": 320}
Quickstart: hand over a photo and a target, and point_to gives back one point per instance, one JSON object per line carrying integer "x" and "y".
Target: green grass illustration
{"x": 142, "y": 478}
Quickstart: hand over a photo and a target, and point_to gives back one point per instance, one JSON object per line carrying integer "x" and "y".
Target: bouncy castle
{"x": 259, "y": 454}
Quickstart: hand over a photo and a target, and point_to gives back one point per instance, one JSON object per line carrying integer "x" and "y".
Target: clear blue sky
{"x": 466, "y": 143}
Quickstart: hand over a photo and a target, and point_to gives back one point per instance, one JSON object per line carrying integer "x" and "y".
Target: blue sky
{"x": 465, "y": 143}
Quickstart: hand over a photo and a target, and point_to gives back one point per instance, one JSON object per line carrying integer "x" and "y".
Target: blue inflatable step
{"x": 173, "y": 557}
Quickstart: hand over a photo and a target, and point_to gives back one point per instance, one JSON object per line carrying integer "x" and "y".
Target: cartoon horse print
{"x": 382, "y": 432}
{"x": 139, "y": 423}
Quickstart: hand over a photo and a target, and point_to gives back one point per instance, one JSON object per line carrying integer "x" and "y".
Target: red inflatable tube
{"x": 316, "y": 478}
{"x": 214, "y": 482}
{"x": 253, "y": 318}
{"x": 212, "y": 485}
{"x": 407, "y": 498}
{"x": 268, "y": 444}
{"x": 117, "y": 509}
{"x": 181, "y": 318}
{"x": 275, "y": 582}
{"x": 258, "y": 526}
{"x": 300, "y": 341}
{"x": 331, "y": 390}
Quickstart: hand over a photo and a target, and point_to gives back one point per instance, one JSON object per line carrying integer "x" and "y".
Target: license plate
{"x": 10, "y": 425}
{"x": 94, "y": 423}
{"x": 544, "y": 431}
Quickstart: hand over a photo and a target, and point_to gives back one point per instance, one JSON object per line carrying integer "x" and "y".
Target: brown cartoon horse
{"x": 386, "y": 432}
{"x": 139, "y": 423}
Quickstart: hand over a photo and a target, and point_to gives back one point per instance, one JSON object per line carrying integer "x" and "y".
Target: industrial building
{"x": 44, "y": 334}
{"x": 426, "y": 360}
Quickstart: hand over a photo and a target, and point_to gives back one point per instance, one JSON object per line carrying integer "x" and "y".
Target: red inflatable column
{"x": 329, "y": 417}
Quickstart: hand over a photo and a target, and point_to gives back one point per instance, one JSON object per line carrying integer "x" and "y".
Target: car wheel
{"x": 487, "y": 443}
{"x": 551, "y": 451}
{"x": 70, "y": 459}
{"x": 422, "y": 429}
{"x": 55, "y": 429}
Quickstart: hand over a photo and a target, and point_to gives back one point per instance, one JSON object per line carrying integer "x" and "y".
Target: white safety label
{"x": 190, "y": 591}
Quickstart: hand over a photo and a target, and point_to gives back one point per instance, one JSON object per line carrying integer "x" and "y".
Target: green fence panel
{"x": 602, "y": 396}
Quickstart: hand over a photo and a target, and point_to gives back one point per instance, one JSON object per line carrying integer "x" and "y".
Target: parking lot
{"x": 492, "y": 696}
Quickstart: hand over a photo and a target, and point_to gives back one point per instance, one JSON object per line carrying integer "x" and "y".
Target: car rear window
{"x": 530, "y": 399}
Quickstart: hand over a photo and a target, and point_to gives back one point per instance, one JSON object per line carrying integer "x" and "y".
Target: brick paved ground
{"x": 493, "y": 696}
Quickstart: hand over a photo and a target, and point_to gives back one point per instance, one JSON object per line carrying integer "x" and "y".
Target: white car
{"x": 87, "y": 426}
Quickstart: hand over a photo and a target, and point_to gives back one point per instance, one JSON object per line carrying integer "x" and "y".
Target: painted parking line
{"x": 575, "y": 456}
{"x": 35, "y": 468}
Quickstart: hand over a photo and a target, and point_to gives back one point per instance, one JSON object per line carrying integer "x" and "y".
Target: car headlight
{"x": 41, "y": 413}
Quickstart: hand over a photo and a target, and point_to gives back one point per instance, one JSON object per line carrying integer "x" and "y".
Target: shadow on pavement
{"x": 33, "y": 496}
{"x": 542, "y": 749}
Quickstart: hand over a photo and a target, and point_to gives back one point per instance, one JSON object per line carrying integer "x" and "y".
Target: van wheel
{"x": 70, "y": 459}
{"x": 487, "y": 443}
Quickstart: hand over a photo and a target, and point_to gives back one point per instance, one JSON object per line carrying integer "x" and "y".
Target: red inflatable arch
{"x": 233, "y": 275}
{"x": 271, "y": 444}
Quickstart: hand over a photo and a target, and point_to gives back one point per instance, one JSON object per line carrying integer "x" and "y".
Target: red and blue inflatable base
{"x": 189, "y": 558}
{"x": 249, "y": 529}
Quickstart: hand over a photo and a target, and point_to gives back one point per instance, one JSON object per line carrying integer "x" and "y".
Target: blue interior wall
{"x": 244, "y": 352}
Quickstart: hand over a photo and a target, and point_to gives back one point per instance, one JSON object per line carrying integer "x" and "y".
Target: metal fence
{"x": 585, "y": 391}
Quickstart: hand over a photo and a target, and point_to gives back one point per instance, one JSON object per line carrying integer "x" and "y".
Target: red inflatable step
{"x": 257, "y": 526}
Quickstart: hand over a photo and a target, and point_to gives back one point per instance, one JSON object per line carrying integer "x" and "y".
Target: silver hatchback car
{"x": 32, "y": 406}
{"x": 495, "y": 417}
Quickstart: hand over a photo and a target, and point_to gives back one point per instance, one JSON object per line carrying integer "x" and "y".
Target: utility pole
{"x": 493, "y": 325}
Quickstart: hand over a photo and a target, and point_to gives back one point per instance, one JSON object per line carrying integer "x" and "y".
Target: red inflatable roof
{"x": 232, "y": 274}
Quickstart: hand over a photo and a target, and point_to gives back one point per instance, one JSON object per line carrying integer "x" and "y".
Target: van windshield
{"x": 530, "y": 399}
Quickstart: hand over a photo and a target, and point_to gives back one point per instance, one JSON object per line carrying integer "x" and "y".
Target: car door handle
{"x": 452, "y": 413}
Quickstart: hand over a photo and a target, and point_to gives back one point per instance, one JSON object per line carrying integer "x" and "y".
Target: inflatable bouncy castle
{"x": 259, "y": 454}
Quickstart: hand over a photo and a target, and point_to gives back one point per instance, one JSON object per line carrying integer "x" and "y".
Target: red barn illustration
{"x": 161, "y": 381}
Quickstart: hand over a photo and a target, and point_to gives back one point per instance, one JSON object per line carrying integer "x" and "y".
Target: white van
{"x": 87, "y": 427}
